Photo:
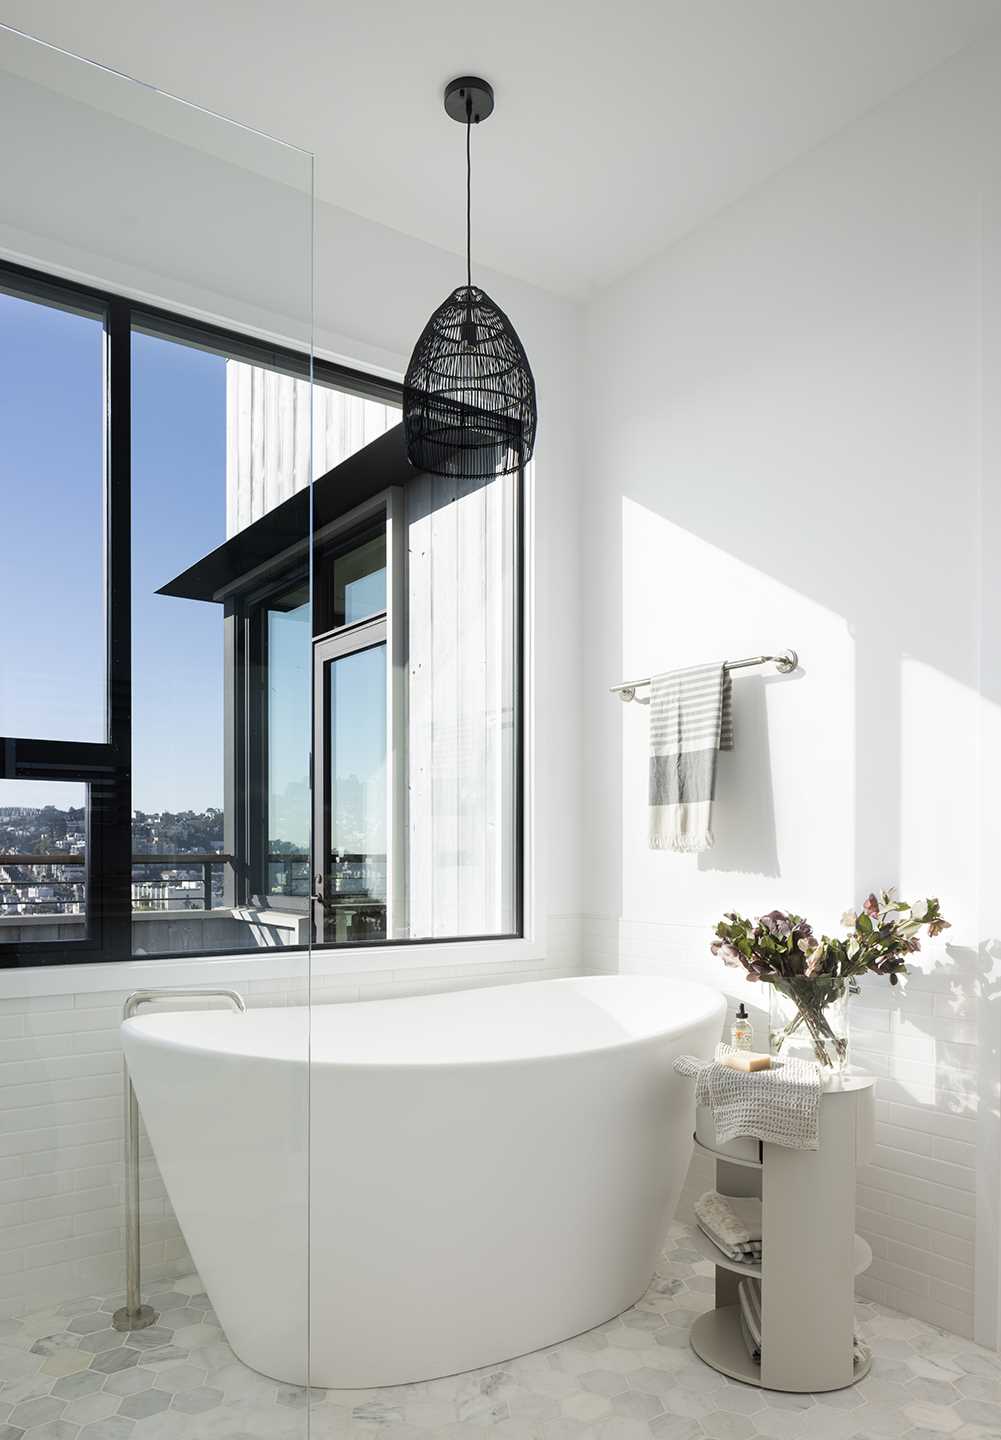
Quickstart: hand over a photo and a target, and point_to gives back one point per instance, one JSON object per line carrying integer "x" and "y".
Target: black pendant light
{"x": 469, "y": 396}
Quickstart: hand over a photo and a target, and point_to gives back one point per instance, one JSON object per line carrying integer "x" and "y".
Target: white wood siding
{"x": 268, "y": 439}
{"x": 462, "y": 741}
{"x": 457, "y": 786}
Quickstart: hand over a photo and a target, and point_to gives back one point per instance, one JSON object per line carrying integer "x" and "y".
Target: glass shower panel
{"x": 156, "y": 350}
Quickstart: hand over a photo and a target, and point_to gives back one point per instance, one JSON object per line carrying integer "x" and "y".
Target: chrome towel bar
{"x": 784, "y": 664}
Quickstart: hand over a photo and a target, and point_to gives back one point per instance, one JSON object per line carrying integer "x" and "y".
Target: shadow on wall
{"x": 747, "y": 841}
{"x": 944, "y": 1023}
{"x": 933, "y": 1042}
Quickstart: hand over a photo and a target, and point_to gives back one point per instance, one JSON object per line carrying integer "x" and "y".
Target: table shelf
{"x": 722, "y": 1155}
{"x": 708, "y": 1251}
{"x": 810, "y": 1256}
{"x": 717, "y": 1339}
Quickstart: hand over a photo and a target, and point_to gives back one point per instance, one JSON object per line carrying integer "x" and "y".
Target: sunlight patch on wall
{"x": 783, "y": 815}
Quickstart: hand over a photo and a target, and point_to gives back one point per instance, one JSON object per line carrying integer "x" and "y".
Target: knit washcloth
{"x": 780, "y": 1105}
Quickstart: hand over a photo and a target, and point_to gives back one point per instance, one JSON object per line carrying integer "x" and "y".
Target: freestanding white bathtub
{"x": 488, "y": 1171}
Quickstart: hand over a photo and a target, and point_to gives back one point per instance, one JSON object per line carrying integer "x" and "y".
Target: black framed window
{"x": 64, "y": 714}
{"x": 199, "y": 590}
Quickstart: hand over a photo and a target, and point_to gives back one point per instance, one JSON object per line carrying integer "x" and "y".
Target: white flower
{"x": 815, "y": 962}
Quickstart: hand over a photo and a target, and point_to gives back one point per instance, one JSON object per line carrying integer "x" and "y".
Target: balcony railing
{"x": 205, "y": 863}
{"x": 288, "y": 874}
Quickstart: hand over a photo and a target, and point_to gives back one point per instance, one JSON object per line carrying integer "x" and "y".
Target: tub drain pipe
{"x": 134, "y": 1315}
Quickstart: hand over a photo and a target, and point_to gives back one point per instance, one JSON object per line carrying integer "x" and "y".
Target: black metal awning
{"x": 366, "y": 473}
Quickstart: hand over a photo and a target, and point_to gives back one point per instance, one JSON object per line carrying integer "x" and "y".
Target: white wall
{"x": 785, "y": 416}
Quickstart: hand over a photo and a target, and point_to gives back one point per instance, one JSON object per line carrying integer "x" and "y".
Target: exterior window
{"x": 64, "y": 714}
{"x": 360, "y": 581}
{"x": 287, "y": 820}
{"x": 263, "y": 701}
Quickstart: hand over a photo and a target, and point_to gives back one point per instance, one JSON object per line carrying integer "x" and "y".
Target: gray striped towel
{"x": 691, "y": 721}
{"x": 749, "y": 1295}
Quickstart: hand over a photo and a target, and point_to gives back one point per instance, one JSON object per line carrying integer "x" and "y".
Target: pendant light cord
{"x": 469, "y": 197}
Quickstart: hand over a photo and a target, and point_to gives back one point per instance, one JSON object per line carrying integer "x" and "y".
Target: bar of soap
{"x": 747, "y": 1060}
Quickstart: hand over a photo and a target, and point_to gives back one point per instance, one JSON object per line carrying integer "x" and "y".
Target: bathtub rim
{"x": 144, "y": 1028}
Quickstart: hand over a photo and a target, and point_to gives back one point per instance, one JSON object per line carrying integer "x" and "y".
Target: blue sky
{"x": 178, "y": 515}
{"x": 52, "y": 667}
{"x": 51, "y": 590}
{"x": 51, "y": 596}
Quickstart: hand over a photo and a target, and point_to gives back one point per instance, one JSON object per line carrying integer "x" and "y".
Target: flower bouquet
{"x": 811, "y": 978}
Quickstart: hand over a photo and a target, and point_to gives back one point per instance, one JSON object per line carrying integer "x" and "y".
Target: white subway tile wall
{"x": 61, "y": 1122}
{"x": 916, "y": 1202}
{"x": 61, "y": 1118}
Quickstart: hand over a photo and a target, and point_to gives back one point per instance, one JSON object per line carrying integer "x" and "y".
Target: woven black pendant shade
{"x": 469, "y": 404}
{"x": 469, "y": 395}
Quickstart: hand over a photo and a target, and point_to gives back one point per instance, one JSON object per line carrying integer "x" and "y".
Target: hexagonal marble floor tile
{"x": 632, "y": 1377}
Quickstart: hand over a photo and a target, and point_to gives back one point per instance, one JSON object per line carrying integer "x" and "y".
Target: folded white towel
{"x": 750, "y": 1249}
{"x": 747, "y": 1209}
{"x": 749, "y": 1255}
{"x": 736, "y": 1219}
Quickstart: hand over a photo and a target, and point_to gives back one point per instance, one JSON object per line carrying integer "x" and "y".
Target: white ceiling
{"x": 620, "y": 124}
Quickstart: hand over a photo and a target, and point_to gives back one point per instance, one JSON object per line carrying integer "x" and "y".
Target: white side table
{"x": 810, "y": 1252}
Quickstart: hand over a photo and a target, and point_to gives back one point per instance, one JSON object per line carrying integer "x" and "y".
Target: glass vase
{"x": 808, "y": 1020}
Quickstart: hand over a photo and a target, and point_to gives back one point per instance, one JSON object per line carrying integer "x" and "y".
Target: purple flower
{"x": 871, "y": 907}
{"x": 776, "y": 922}
{"x": 757, "y": 968}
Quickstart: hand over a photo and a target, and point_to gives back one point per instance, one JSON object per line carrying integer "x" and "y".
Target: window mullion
{"x": 110, "y": 873}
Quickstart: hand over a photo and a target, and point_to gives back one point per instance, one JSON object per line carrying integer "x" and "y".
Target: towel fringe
{"x": 684, "y": 844}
